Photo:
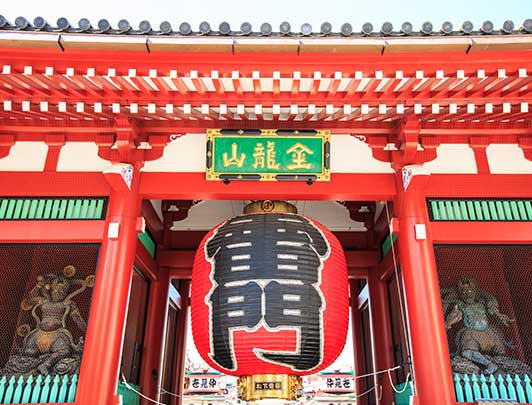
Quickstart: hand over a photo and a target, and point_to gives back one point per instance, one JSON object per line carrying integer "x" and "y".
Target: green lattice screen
{"x": 48, "y": 208}
{"x": 479, "y": 209}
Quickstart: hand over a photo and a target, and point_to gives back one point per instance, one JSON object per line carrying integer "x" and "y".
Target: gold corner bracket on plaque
{"x": 269, "y": 386}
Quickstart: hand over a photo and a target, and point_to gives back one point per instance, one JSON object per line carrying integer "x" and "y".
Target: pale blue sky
{"x": 275, "y": 11}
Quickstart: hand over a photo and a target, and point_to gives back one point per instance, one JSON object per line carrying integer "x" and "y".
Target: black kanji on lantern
{"x": 266, "y": 269}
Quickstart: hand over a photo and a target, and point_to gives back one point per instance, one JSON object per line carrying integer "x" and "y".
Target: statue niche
{"x": 49, "y": 347}
{"x": 480, "y": 345}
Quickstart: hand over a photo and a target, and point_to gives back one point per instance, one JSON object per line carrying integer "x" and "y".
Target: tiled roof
{"x": 265, "y": 30}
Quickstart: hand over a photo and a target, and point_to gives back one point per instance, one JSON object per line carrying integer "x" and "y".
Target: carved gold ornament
{"x": 89, "y": 281}
{"x": 23, "y": 330}
{"x": 69, "y": 271}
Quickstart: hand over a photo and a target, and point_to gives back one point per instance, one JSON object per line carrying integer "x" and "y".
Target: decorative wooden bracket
{"x": 55, "y": 142}
{"x": 407, "y": 147}
{"x": 6, "y": 142}
{"x": 130, "y": 145}
{"x": 411, "y": 148}
{"x": 363, "y": 211}
{"x": 526, "y": 145}
{"x": 173, "y": 210}
{"x": 479, "y": 144}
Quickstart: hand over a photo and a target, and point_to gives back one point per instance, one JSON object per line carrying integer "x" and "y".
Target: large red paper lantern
{"x": 269, "y": 296}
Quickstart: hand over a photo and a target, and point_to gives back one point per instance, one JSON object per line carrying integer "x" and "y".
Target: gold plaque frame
{"x": 324, "y": 175}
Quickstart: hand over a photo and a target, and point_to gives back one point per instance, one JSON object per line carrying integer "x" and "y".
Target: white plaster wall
{"x": 453, "y": 158}
{"x": 185, "y": 154}
{"x": 25, "y": 157}
{"x": 350, "y": 155}
{"x": 80, "y": 157}
{"x": 507, "y": 159}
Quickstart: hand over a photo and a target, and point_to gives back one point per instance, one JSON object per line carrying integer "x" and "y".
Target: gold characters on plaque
{"x": 266, "y": 157}
{"x": 299, "y": 157}
{"x": 260, "y": 159}
{"x": 234, "y": 159}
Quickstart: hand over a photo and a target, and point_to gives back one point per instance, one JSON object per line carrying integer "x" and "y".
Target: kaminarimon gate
{"x": 279, "y": 184}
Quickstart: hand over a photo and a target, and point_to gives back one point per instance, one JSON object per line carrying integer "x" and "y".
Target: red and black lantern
{"x": 269, "y": 295}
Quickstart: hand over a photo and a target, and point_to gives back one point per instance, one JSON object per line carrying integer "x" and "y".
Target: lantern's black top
{"x": 265, "y": 30}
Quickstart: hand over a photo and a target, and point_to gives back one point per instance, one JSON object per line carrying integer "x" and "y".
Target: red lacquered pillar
{"x": 103, "y": 347}
{"x": 151, "y": 372}
{"x": 181, "y": 343}
{"x": 382, "y": 336}
{"x": 433, "y": 377}
{"x": 358, "y": 338}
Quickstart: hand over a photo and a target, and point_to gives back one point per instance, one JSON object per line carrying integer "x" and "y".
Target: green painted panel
{"x": 52, "y": 208}
{"x": 148, "y": 243}
{"x": 522, "y": 210}
{"x": 33, "y": 208}
{"x": 69, "y": 209}
{"x": 507, "y": 210}
{"x": 84, "y": 209}
{"x": 386, "y": 244}
{"x": 268, "y": 154}
{"x": 435, "y": 211}
{"x": 25, "y": 209}
{"x": 450, "y": 212}
{"x": 463, "y": 210}
{"x": 515, "y": 210}
{"x": 98, "y": 213}
{"x": 3, "y": 208}
{"x": 18, "y": 209}
{"x": 528, "y": 207}
{"x": 471, "y": 210}
{"x": 10, "y": 209}
{"x": 443, "y": 211}
{"x": 493, "y": 210}
{"x": 129, "y": 397}
{"x": 448, "y": 209}
{"x": 478, "y": 210}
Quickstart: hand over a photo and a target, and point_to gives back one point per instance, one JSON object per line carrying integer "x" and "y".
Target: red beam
{"x": 74, "y": 231}
{"x": 61, "y": 184}
{"x": 180, "y": 274}
{"x": 266, "y": 62}
{"x": 176, "y": 260}
{"x": 180, "y": 262}
{"x": 104, "y": 131}
{"x": 357, "y": 273}
{"x": 357, "y": 259}
{"x": 194, "y": 186}
{"x": 480, "y": 185}
{"x": 482, "y": 232}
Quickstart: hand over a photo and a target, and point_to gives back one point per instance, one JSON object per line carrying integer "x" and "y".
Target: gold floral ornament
{"x": 69, "y": 271}
{"x": 26, "y": 305}
{"x": 89, "y": 281}
{"x": 23, "y": 330}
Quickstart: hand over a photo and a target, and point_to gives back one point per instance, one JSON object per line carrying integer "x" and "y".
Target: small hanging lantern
{"x": 269, "y": 299}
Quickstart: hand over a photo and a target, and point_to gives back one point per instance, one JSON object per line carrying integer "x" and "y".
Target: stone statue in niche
{"x": 481, "y": 346}
{"x": 49, "y": 347}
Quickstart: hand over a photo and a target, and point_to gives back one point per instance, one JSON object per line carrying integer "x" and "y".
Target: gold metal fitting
{"x": 269, "y": 206}
{"x": 269, "y": 386}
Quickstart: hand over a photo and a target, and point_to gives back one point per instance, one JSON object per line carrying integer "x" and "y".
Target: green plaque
{"x": 266, "y": 155}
